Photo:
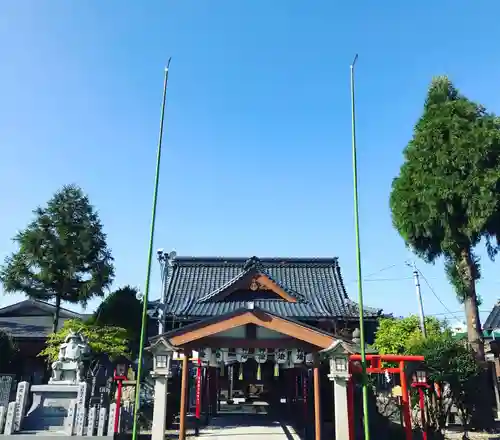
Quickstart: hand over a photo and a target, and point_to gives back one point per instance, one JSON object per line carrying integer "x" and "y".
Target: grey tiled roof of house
{"x": 29, "y": 326}
{"x": 193, "y": 284}
{"x": 493, "y": 320}
{"x": 32, "y": 318}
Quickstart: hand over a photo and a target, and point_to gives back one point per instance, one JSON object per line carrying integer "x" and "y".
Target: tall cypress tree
{"x": 62, "y": 254}
{"x": 446, "y": 198}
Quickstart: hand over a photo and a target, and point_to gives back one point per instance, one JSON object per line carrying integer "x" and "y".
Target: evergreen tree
{"x": 121, "y": 309}
{"x": 446, "y": 198}
{"x": 62, "y": 254}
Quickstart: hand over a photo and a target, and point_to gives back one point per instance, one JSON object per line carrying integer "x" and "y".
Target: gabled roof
{"x": 252, "y": 271}
{"x": 316, "y": 283}
{"x": 216, "y": 324}
{"x": 32, "y": 318}
{"x": 33, "y": 307}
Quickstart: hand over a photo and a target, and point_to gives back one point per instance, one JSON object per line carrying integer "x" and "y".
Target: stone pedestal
{"x": 103, "y": 413}
{"x": 160, "y": 407}
{"x": 91, "y": 421}
{"x": 341, "y": 408}
{"x": 3, "y": 414}
{"x": 21, "y": 402}
{"x": 9, "y": 419}
{"x": 50, "y": 408}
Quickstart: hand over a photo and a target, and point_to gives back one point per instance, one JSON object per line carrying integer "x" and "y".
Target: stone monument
{"x": 60, "y": 403}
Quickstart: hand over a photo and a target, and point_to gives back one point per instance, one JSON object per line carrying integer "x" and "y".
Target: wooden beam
{"x": 265, "y": 281}
{"x": 219, "y": 342}
{"x": 183, "y": 406}
{"x": 259, "y": 318}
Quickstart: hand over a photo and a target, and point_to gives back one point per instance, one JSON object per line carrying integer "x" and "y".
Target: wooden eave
{"x": 211, "y": 327}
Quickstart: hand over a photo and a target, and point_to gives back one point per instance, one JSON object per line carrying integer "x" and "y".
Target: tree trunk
{"x": 474, "y": 331}
{"x": 482, "y": 416}
{"x": 55, "y": 322}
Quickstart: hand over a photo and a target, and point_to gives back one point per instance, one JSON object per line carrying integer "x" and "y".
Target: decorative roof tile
{"x": 251, "y": 269}
{"x": 316, "y": 281}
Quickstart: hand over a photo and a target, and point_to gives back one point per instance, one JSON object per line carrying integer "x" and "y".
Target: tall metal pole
{"x": 358, "y": 259}
{"x": 419, "y": 298}
{"x": 150, "y": 259}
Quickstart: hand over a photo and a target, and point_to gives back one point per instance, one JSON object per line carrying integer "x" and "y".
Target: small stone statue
{"x": 68, "y": 369}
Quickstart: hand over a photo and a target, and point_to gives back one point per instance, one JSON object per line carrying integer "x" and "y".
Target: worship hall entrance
{"x": 252, "y": 363}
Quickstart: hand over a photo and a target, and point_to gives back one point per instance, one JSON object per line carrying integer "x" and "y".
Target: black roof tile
{"x": 493, "y": 319}
{"x": 316, "y": 282}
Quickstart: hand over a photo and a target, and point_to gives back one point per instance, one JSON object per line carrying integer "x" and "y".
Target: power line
{"x": 381, "y": 270}
{"x": 457, "y": 311}
{"x": 388, "y": 279}
{"x": 437, "y": 297}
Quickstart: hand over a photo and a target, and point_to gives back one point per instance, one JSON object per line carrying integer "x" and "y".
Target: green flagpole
{"x": 358, "y": 259}
{"x": 150, "y": 259}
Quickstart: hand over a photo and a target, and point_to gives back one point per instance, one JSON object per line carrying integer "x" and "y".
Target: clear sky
{"x": 257, "y": 154}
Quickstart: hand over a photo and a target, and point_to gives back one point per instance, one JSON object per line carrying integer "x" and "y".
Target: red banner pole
{"x": 198, "y": 390}
{"x": 304, "y": 396}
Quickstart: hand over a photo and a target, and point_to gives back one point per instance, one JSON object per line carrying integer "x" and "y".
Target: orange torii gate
{"x": 374, "y": 365}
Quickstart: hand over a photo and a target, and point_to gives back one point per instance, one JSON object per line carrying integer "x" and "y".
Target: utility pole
{"x": 419, "y": 297}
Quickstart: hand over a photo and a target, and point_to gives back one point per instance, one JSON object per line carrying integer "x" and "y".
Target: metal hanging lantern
{"x": 260, "y": 358}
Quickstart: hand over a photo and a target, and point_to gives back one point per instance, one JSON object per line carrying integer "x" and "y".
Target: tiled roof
{"x": 316, "y": 282}
{"x": 32, "y": 318}
{"x": 29, "y": 326}
{"x": 493, "y": 319}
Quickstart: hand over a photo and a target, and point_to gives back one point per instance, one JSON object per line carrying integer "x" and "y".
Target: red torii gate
{"x": 374, "y": 365}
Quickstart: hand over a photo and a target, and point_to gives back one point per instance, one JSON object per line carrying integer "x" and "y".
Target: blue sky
{"x": 257, "y": 157}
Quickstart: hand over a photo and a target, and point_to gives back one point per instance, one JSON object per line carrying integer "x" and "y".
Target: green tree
{"x": 453, "y": 366}
{"x": 106, "y": 340}
{"x": 399, "y": 335}
{"x": 62, "y": 254}
{"x": 447, "y": 195}
{"x": 121, "y": 309}
{"x": 8, "y": 351}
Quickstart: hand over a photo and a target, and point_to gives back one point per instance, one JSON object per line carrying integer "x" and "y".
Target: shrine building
{"x": 259, "y": 329}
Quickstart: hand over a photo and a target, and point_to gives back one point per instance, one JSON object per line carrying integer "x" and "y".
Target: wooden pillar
{"x": 184, "y": 386}
{"x": 317, "y": 403}
{"x": 405, "y": 399}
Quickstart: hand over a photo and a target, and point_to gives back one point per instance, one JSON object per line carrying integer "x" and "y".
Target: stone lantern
{"x": 162, "y": 353}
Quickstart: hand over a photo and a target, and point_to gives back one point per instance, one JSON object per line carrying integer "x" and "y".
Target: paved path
{"x": 247, "y": 427}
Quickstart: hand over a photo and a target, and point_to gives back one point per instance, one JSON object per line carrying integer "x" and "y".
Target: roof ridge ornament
{"x": 252, "y": 262}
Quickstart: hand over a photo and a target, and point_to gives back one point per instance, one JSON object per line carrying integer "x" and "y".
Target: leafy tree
{"x": 8, "y": 351}
{"x": 453, "y": 366}
{"x": 447, "y": 195}
{"x": 121, "y": 309}
{"x": 398, "y": 336}
{"x": 106, "y": 340}
{"x": 62, "y": 253}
